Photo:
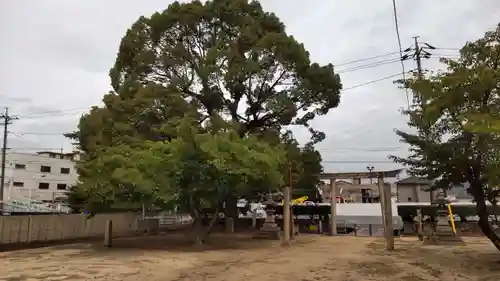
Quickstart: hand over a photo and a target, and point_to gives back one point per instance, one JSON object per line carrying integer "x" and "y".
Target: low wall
{"x": 40, "y": 228}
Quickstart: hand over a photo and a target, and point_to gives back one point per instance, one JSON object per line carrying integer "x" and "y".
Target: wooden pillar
{"x": 333, "y": 208}
{"x": 387, "y": 212}
{"x": 356, "y": 181}
{"x": 286, "y": 215}
{"x": 254, "y": 219}
{"x": 108, "y": 234}
{"x": 229, "y": 224}
{"x": 380, "y": 185}
{"x": 292, "y": 219}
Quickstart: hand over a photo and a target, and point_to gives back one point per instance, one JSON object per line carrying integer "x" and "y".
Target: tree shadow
{"x": 178, "y": 242}
{"x": 464, "y": 258}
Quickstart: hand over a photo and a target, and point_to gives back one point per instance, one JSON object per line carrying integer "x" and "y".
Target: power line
{"x": 36, "y": 134}
{"x": 386, "y": 149}
{"x": 347, "y": 149}
{"x": 400, "y": 50}
{"x": 51, "y": 112}
{"x": 357, "y": 161}
{"x": 366, "y": 59}
{"x": 448, "y": 49}
{"x": 371, "y": 82}
{"x": 58, "y": 113}
{"x": 67, "y": 112}
{"x": 361, "y": 67}
{"x": 54, "y": 114}
{"x": 64, "y": 112}
{"x": 14, "y": 149}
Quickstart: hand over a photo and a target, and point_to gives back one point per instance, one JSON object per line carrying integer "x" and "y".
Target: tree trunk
{"x": 485, "y": 225}
{"x": 200, "y": 234}
{"x": 482, "y": 213}
{"x": 198, "y": 231}
{"x": 231, "y": 209}
{"x": 211, "y": 224}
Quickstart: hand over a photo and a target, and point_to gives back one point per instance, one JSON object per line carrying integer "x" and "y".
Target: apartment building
{"x": 44, "y": 176}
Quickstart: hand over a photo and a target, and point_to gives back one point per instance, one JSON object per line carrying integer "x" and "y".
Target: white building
{"x": 45, "y": 176}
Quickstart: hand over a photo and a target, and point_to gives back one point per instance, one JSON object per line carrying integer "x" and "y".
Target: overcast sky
{"x": 55, "y": 56}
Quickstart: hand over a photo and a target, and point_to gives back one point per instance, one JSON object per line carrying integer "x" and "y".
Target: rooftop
{"x": 415, "y": 180}
{"x": 362, "y": 175}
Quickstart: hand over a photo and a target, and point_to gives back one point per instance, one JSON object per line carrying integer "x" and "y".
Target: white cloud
{"x": 56, "y": 55}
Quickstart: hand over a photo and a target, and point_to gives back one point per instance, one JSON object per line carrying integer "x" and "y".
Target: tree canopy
{"x": 231, "y": 57}
{"x": 456, "y": 117}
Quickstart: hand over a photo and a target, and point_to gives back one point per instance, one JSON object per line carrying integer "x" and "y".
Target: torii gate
{"x": 326, "y": 189}
{"x": 357, "y": 176}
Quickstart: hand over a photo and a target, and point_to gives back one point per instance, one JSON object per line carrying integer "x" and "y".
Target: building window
{"x": 45, "y": 169}
{"x": 61, "y": 186}
{"x": 43, "y": 185}
{"x": 65, "y": 171}
{"x": 20, "y": 166}
{"x": 18, "y": 184}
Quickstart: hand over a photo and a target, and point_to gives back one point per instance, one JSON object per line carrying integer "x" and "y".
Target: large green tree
{"x": 224, "y": 58}
{"x": 456, "y": 140}
{"x": 194, "y": 171}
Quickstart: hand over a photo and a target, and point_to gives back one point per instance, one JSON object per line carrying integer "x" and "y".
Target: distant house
{"x": 414, "y": 189}
{"x": 342, "y": 182}
{"x": 460, "y": 192}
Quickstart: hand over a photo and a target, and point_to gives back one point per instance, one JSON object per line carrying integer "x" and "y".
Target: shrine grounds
{"x": 237, "y": 257}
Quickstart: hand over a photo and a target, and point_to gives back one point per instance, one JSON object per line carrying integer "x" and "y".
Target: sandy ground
{"x": 310, "y": 257}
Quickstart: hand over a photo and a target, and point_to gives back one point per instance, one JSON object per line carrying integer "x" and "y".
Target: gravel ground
{"x": 237, "y": 257}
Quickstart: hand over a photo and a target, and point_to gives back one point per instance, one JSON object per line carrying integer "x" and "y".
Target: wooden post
{"x": 419, "y": 225}
{"x": 380, "y": 185}
{"x": 387, "y": 205}
{"x": 254, "y": 219}
{"x": 333, "y": 208}
{"x": 292, "y": 219}
{"x": 286, "y": 215}
{"x": 229, "y": 224}
{"x": 108, "y": 234}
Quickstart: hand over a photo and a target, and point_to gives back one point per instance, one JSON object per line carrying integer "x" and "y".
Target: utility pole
{"x": 420, "y": 51}
{"x": 7, "y": 119}
{"x": 418, "y": 58}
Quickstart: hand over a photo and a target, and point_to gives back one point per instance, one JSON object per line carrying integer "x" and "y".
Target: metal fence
{"x": 169, "y": 219}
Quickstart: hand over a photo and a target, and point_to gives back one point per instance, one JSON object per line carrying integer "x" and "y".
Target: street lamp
{"x": 370, "y": 169}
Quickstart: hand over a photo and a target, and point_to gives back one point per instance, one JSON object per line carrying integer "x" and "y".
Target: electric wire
{"x": 400, "y": 52}
{"x": 366, "y": 59}
{"x": 361, "y": 67}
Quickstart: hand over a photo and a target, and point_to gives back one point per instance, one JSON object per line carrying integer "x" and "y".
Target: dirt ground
{"x": 310, "y": 257}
